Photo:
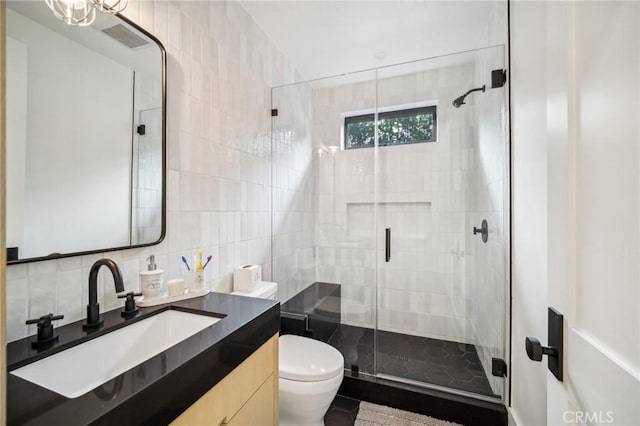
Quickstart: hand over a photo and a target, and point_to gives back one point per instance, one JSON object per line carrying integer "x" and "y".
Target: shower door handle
{"x": 387, "y": 250}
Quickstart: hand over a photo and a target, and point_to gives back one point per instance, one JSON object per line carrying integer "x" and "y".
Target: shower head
{"x": 459, "y": 101}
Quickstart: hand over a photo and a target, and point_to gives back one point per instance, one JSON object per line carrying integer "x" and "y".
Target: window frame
{"x": 390, "y": 112}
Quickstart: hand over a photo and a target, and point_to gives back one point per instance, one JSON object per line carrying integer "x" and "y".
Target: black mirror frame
{"x": 163, "y": 55}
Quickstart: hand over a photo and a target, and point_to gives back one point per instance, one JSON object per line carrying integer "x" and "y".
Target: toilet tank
{"x": 265, "y": 290}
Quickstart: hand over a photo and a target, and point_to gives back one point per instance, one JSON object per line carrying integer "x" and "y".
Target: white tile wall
{"x": 221, "y": 67}
{"x": 294, "y": 163}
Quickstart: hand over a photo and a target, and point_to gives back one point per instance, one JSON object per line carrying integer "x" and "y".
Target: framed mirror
{"x": 86, "y": 135}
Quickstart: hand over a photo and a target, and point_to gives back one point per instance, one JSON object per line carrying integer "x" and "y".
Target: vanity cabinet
{"x": 246, "y": 396}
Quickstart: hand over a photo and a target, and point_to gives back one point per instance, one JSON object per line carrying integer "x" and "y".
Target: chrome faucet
{"x": 93, "y": 308}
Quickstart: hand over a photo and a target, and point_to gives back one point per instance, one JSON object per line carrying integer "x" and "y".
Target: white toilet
{"x": 310, "y": 373}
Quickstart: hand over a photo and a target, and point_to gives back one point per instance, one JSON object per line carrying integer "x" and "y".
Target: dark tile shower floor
{"x": 439, "y": 362}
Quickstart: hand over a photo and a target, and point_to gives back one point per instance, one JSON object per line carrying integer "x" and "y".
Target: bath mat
{"x": 380, "y": 415}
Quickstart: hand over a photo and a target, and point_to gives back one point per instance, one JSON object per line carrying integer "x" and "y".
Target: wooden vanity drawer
{"x": 244, "y": 388}
{"x": 259, "y": 408}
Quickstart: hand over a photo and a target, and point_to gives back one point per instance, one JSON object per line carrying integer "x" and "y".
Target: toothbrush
{"x": 184, "y": 260}
{"x": 207, "y": 262}
{"x": 199, "y": 266}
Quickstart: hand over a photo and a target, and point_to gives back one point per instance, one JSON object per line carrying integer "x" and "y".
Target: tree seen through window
{"x": 398, "y": 127}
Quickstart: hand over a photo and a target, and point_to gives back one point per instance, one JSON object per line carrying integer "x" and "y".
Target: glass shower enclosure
{"x": 382, "y": 184}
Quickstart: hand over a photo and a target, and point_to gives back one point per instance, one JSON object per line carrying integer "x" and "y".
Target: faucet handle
{"x": 45, "y": 329}
{"x": 130, "y": 307}
{"x": 129, "y": 295}
{"x": 44, "y": 320}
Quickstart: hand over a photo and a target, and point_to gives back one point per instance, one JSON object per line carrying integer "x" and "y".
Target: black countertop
{"x": 158, "y": 390}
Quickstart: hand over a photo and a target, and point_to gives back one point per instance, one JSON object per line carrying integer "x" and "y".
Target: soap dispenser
{"x": 151, "y": 280}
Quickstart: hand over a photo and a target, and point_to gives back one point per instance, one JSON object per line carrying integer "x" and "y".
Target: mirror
{"x": 85, "y": 135}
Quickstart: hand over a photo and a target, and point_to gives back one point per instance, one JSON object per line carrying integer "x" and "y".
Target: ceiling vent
{"x": 125, "y": 36}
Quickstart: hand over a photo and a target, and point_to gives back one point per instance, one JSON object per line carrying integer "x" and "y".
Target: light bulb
{"x": 75, "y": 3}
{"x": 109, "y": 6}
{"x": 73, "y": 12}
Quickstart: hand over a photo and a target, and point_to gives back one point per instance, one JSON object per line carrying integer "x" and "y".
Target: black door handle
{"x": 387, "y": 254}
{"x": 535, "y": 350}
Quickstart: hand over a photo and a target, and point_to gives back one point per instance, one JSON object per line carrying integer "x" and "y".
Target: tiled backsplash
{"x": 221, "y": 67}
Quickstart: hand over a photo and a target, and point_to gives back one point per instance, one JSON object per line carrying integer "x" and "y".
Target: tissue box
{"x": 247, "y": 278}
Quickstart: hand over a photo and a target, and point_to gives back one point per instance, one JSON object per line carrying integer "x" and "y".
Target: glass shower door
{"x": 433, "y": 183}
{"x": 323, "y": 191}
{"x": 346, "y": 208}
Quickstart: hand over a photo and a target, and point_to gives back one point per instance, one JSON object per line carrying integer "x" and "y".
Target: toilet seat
{"x": 307, "y": 360}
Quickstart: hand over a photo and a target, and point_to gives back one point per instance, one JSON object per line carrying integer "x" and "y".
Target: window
{"x": 397, "y": 127}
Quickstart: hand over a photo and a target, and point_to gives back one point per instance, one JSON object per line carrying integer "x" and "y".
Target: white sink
{"x": 82, "y": 368}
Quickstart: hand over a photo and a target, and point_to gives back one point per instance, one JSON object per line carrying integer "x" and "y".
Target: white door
{"x": 593, "y": 122}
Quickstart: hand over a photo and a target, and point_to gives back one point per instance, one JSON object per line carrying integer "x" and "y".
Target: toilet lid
{"x": 308, "y": 360}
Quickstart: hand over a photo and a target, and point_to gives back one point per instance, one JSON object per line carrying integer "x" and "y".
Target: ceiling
{"x": 324, "y": 38}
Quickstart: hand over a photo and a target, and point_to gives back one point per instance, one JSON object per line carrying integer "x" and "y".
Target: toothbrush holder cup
{"x": 195, "y": 281}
